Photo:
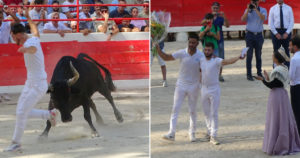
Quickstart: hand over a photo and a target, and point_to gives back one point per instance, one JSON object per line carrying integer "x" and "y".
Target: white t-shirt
{"x": 61, "y": 16}
{"x": 189, "y": 72}
{"x": 4, "y": 32}
{"x": 72, "y": 10}
{"x": 50, "y": 26}
{"x": 210, "y": 71}
{"x": 37, "y": 15}
{"x": 34, "y": 62}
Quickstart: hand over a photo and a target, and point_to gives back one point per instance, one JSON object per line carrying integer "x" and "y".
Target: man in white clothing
{"x": 210, "y": 91}
{"x": 61, "y": 15}
{"x": 281, "y": 22}
{"x": 187, "y": 84}
{"x": 36, "y": 84}
{"x": 38, "y": 13}
{"x": 5, "y": 27}
{"x": 56, "y": 27}
{"x": 294, "y": 74}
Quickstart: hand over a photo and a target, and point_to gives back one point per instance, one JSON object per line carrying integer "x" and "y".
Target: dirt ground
{"x": 241, "y": 112}
{"x": 73, "y": 140}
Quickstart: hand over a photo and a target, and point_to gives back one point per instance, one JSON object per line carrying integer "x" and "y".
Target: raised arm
{"x": 230, "y": 61}
{"x": 166, "y": 57}
{"x": 33, "y": 28}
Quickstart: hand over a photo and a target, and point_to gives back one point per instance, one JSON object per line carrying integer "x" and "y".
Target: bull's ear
{"x": 50, "y": 88}
{"x": 75, "y": 90}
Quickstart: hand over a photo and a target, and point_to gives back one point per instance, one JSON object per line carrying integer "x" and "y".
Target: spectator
{"x": 138, "y": 23}
{"x": 281, "y": 22}
{"x": 5, "y": 27}
{"x": 61, "y": 15}
{"x": 145, "y": 12}
{"x": 85, "y": 27}
{"x": 112, "y": 8}
{"x": 92, "y": 10}
{"x": 255, "y": 16}
{"x": 119, "y": 12}
{"x": 219, "y": 20}
{"x": 210, "y": 33}
{"x": 56, "y": 27}
{"x": 73, "y": 26}
{"x": 146, "y": 27}
{"x": 21, "y": 16}
{"x": 71, "y": 12}
{"x": 107, "y": 26}
{"x": 126, "y": 26}
{"x": 38, "y": 13}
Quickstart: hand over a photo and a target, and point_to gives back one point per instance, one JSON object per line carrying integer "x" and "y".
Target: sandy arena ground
{"x": 73, "y": 140}
{"x": 241, "y": 112}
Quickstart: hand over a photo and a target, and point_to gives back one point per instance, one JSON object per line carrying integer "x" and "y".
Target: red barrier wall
{"x": 125, "y": 59}
{"x": 191, "y": 12}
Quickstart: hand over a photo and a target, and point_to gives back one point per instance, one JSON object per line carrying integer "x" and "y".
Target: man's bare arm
{"x": 166, "y": 57}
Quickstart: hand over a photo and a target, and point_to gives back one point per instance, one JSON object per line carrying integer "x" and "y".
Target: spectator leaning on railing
{"x": 85, "y": 27}
{"x": 61, "y": 15}
{"x": 56, "y": 27}
{"x": 126, "y": 26}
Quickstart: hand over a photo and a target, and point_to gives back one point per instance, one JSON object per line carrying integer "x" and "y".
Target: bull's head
{"x": 60, "y": 93}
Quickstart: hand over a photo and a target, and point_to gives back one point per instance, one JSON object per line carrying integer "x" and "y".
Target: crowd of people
{"x": 94, "y": 13}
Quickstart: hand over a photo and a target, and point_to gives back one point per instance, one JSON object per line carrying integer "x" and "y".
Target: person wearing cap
{"x": 219, "y": 20}
{"x": 255, "y": 16}
{"x": 294, "y": 73}
{"x": 281, "y": 22}
{"x": 281, "y": 134}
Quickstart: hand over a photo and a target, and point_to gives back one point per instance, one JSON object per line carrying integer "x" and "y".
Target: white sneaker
{"x": 13, "y": 148}
{"x": 169, "y": 136}
{"x": 192, "y": 137}
{"x": 53, "y": 114}
{"x": 165, "y": 84}
{"x": 214, "y": 141}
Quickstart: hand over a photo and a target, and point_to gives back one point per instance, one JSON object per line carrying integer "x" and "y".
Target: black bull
{"x": 73, "y": 83}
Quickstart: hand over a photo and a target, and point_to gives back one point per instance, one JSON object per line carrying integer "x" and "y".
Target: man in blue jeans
{"x": 254, "y": 16}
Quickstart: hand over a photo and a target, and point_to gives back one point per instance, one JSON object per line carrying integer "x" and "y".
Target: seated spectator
{"x": 73, "y": 26}
{"x": 92, "y": 10}
{"x": 140, "y": 8}
{"x": 146, "y": 27}
{"x": 85, "y": 27}
{"x": 137, "y": 23}
{"x": 126, "y": 26}
{"x": 119, "y": 12}
{"x": 145, "y": 12}
{"x": 61, "y": 15}
{"x": 103, "y": 26}
{"x": 5, "y": 27}
{"x": 38, "y": 13}
{"x": 70, "y": 12}
{"x": 56, "y": 27}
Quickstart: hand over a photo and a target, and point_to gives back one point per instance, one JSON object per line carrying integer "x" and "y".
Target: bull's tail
{"x": 108, "y": 79}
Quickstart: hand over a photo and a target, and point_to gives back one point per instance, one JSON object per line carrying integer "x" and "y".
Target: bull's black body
{"x": 66, "y": 98}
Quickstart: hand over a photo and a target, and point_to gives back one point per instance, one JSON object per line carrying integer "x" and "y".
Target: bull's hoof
{"x": 95, "y": 134}
{"x": 119, "y": 117}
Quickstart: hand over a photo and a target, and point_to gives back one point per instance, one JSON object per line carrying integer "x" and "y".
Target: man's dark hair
{"x": 279, "y": 57}
{"x": 38, "y": 1}
{"x": 133, "y": 8}
{"x": 209, "y": 44}
{"x": 104, "y": 7}
{"x": 17, "y": 28}
{"x": 55, "y": 1}
{"x": 209, "y": 16}
{"x": 194, "y": 36}
{"x": 127, "y": 16}
{"x": 296, "y": 41}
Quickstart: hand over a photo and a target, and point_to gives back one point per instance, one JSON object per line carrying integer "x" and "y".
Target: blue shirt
{"x": 254, "y": 23}
{"x": 116, "y": 14}
{"x": 219, "y": 21}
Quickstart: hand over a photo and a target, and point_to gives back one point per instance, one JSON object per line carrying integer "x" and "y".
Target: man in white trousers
{"x": 210, "y": 91}
{"x": 36, "y": 84}
{"x": 187, "y": 84}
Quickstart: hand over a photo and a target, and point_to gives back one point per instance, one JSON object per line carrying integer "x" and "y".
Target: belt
{"x": 254, "y": 33}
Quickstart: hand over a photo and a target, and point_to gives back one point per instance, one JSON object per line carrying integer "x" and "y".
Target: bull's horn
{"x": 73, "y": 80}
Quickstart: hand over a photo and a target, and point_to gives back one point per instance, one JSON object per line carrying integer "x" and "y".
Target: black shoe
{"x": 250, "y": 78}
{"x": 259, "y": 74}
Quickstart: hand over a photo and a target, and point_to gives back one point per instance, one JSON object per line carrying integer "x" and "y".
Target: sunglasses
{"x": 104, "y": 11}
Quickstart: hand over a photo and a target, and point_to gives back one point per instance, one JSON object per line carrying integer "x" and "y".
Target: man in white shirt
{"x": 36, "y": 84}
{"x": 187, "y": 84}
{"x": 5, "y": 27}
{"x": 38, "y": 13}
{"x": 210, "y": 91}
{"x": 56, "y": 27}
{"x": 61, "y": 15}
{"x": 281, "y": 22}
{"x": 85, "y": 27}
{"x": 294, "y": 74}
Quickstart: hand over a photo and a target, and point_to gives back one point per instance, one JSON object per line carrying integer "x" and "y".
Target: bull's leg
{"x": 106, "y": 93}
{"x": 98, "y": 117}
{"x": 87, "y": 117}
{"x": 48, "y": 124}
